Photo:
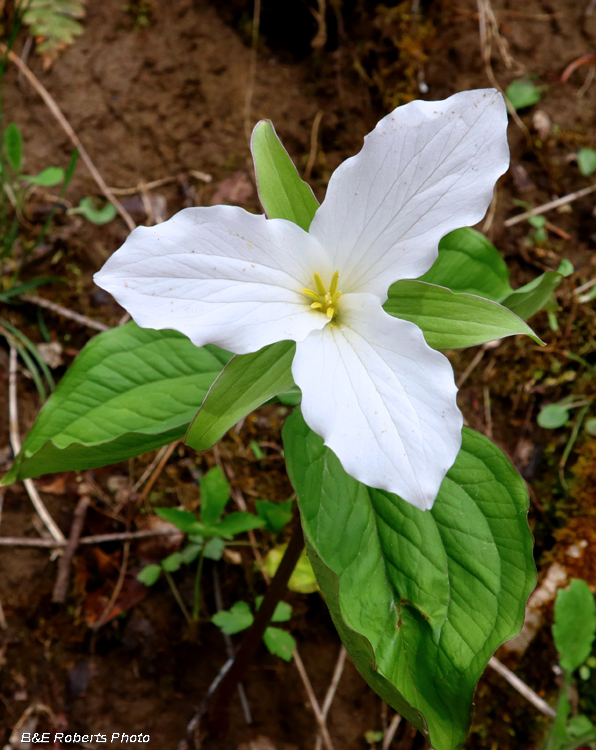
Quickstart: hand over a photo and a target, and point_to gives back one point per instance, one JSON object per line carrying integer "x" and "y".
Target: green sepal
{"x": 451, "y": 320}
{"x": 283, "y": 193}
{"x": 247, "y": 382}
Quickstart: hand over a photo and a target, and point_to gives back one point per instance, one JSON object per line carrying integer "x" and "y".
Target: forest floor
{"x": 159, "y": 91}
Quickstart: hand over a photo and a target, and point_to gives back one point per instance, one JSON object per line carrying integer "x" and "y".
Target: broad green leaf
{"x": 575, "y": 624}
{"x": 149, "y": 575}
{"x": 247, "y": 382}
{"x": 13, "y": 143}
{"x": 214, "y": 548}
{"x": 238, "y": 523}
{"x": 452, "y": 320}
{"x": 302, "y": 580}
{"x": 524, "y": 93}
{"x": 181, "y": 519}
{"x": 47, "y": 178}
{"x": 279, "y": 642}
{"x": 283, "y": 610}
{"x": 237, "y": 618}
{"x": 586, "y": 161}
{"x": 529, "y": 299}
{"x": 283, "y": 194}
{"x": 215, "y": 493}
{"x": 468, "y": 262}
{"x": 553, "y": 416}
{"x": 580, "y": 726}
{"x": 420, "y": 599}
{"x": 129, "y": 391}
{"x": 275, "y": 515}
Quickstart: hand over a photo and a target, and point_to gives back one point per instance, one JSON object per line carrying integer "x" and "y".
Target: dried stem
{"x": 116, "y": 593}
{"x": 15, "y": 441}
{"x": 550, "y": 205}
{"x": 313, "y": 700}
{"x": 122, "y": 536}
{"x": 61, "y": 585}
{"x": 521, "y": 687}
{"x": 65, "y": 312}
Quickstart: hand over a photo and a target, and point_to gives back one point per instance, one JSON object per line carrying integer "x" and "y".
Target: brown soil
{"x": 161, "y": 100}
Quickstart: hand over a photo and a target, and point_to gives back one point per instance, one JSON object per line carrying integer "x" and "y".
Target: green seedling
{"x": 239, "y": 617}
{"x": 275, "y": 515}
{"x": 586, "y": 161}
{"x": 94, "y": 212}
{"x": 206, "y": 533}
{"x": 574, "y": 631}
{"x": 524, "y": 93}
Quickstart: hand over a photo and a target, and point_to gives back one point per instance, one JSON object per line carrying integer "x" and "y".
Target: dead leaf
{"x": 132, "y": 593}
{"x": 237, "y": 189}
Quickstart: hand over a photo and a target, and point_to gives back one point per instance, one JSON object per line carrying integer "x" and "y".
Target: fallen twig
{"x": 313, "y": 700}
{"x": 314, "y": 139}
{"x": 66, "y": 126}
{"x": 116, "y": 592}
{"x": 203, "y": 176}
{"x": 15, "y": 441}
{"x": 391, "y": 730}
{"x": 550, "y": 205}
{"x": 521, "y": 687}
{"x": 65, "y": 312}
{"x": 61, "y": 585}
{"x": 337, "y": 673}
{"x": 123, "y": 536}
{"x": 230, "y": 647}
{"x": 159, "y": 468}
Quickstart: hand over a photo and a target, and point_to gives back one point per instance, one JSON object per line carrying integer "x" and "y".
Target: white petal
{"x": 382, "y": 399}
{"x": 426, "y": 169}
{"x": 219, "y": 275}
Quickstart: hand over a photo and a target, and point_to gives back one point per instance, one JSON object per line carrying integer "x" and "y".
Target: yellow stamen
{"x": 325, "y": 301}
{"x": 334, "y": 282}
{"x": 320, "y": 286}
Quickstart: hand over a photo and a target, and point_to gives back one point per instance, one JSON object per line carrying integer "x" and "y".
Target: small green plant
{"x": 239, "y": 617}
{"x": 574, "y": 632}
{"x": 54, "y": 25}
{"x": 586, "y": 161}
{"x": 205, "y": 536}
{"x": 94, "y": 212}
{"x": 524, "y": 93}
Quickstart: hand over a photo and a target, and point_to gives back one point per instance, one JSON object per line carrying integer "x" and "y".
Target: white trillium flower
{"x": 382, "y": 399}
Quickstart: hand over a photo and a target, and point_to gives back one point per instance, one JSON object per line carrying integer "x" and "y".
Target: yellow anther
{"x": 324, "y": 301}
{"x": 320, "y": 286}
{"x": 334, "y": 282}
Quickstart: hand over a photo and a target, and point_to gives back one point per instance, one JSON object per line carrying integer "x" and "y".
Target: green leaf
{"x": 575, "y": 624}
{"x": 215, "y": 493}
{"x": 279, "y": 642}
{"x": 283, "y": 194}
{"x": 302, "y": 580}
{"x": 553, "y": 416}
{"x": 181, "y": 519}
{"x": 529, "y": 299}
{"x": 469, "y": 263}
{"x": 283, "y": 610}
{"x": 13, "y": 143}
{"x": 149, "y": 575}
{"x": 129, "y": 391}
{"x": 172, "y": 562}
{"x": 586, "y": 161}
{"x": 237, "y": 618}
{"x": 247, "y": 382}
{"x": 275, "y": 515}
{"x": 291, "y": 397}
{"x": 421, "y": 599}
{"x": 238, "y": 523}
{"x": 190, "y": 553}
{"x": 524, "y": 93}
{"x": 214, "y": 548}
{"x": 452, "y": 320}
{"x": 93, "y": 213}
{"x": 47, "y": 178}
{"x": 579, "y": 726}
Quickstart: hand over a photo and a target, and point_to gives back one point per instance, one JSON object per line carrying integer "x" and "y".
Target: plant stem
{"x": 197, "y": 601}
{"x": 177, "y": 597}
{"x": 254, "y": 634}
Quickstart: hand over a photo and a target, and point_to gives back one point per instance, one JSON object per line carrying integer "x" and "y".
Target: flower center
{"x": 322, "y": 300}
